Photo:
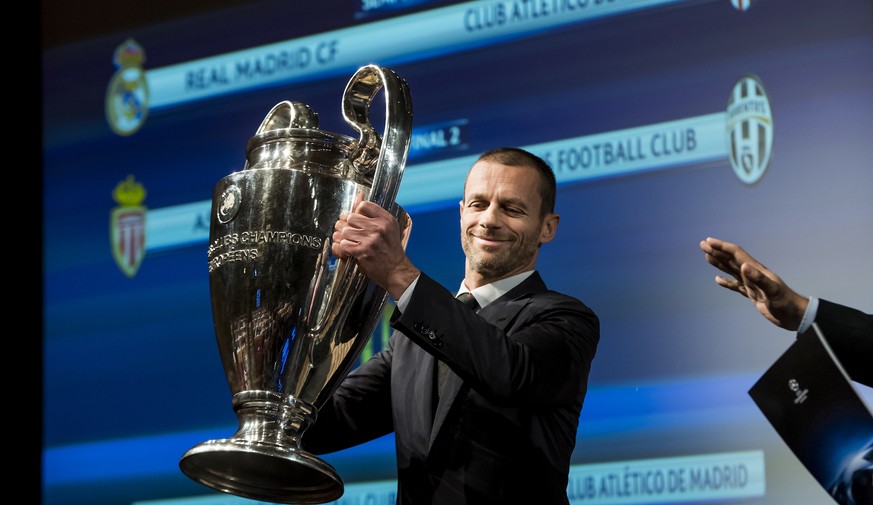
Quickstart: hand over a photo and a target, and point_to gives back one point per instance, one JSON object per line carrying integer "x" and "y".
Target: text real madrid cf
{"x": 631, "y": 149}
{"x": 493, "y": 15}
{"x": 265, "y": 65}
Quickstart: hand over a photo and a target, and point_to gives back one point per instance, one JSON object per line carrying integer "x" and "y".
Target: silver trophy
{"x": 290, "y": 318}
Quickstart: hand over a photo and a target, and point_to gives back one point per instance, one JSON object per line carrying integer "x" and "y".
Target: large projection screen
{"x": 666, "y": 121}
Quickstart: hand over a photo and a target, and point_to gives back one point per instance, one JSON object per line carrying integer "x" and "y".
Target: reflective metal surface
{"x": 290, "y": 318}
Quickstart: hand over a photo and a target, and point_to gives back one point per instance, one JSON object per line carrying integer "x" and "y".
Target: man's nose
{"x": 490, "y": 217}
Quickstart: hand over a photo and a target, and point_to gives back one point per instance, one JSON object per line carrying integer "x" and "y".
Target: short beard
{"x": 500, "y": 266}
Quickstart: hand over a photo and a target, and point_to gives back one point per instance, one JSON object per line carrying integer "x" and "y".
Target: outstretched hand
{"x": 771, "y": 295}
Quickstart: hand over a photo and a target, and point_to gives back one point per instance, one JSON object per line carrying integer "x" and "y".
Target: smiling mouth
{"x": 489, "y": 240}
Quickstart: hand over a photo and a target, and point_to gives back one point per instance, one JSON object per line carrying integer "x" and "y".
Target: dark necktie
{"x": 443, "y": 369}
{"x": 469, "y": 300}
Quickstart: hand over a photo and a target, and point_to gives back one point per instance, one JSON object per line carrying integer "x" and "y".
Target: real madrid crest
{"x": 127, "y": 98}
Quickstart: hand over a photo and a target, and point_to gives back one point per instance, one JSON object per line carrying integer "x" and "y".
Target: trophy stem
{"x": 263, "y": 460}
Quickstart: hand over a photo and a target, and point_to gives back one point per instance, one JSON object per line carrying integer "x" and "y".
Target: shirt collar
{"x": 490, "y": 292}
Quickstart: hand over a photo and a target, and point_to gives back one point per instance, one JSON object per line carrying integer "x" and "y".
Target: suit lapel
{"x": 501, "y": 313}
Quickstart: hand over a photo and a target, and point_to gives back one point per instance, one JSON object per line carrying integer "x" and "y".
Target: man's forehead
{"x": 502, "y": 187}
{"x": 489, "y": 175}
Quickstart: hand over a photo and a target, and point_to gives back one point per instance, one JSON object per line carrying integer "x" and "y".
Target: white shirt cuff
{"x": 404, "y": 298}
{"x": 809, "y": 315}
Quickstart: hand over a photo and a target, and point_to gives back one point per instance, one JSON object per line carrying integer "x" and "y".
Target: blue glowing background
{"x": 131, "y": 373}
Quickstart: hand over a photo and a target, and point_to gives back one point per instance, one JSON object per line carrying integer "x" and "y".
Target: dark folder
{"x": 816, "y": 409}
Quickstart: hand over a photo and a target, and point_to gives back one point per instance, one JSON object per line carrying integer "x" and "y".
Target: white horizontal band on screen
{"x": 625, "y": 152}
{"x": 427, "y": 34}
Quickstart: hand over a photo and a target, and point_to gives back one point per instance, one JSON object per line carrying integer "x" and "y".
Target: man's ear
{"x": 549, "y": 228}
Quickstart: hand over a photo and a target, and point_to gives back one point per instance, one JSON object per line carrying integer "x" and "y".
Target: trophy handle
{"x": 359, "y": 93}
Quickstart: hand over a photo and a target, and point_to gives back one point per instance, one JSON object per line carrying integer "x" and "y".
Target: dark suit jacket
{"x": 505, "y": 427}
{"x": 849, "y": 332}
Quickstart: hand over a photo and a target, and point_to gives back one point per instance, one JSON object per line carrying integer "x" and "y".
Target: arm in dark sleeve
{"x": 850, "y": 334}
{"x": 358, "y": 411}
{"x": 532, "y": 350}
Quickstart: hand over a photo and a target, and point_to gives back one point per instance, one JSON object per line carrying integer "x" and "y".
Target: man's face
{"x": 501, "y": 225}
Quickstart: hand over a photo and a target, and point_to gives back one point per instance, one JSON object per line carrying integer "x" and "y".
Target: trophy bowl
{"x": 290, "y": 318}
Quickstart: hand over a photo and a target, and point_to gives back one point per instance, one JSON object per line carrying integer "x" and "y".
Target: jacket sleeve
{"x": 358, "y": 411}
{"x": 533, "y": 349}
{"x": 849, "y": 332}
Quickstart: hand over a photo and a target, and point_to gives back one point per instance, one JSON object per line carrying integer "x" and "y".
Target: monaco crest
{"x": 127, "y": 226}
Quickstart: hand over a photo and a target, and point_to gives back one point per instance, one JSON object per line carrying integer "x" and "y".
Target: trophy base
{"x": 262, "y": 471}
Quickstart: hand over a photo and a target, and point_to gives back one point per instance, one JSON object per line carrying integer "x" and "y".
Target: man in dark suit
{"x": 849, "y": 331}
{"x": 502, "y": 428}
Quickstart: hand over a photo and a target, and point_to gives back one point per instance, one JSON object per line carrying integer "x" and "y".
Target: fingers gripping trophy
{"x": 291, "y": 319}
